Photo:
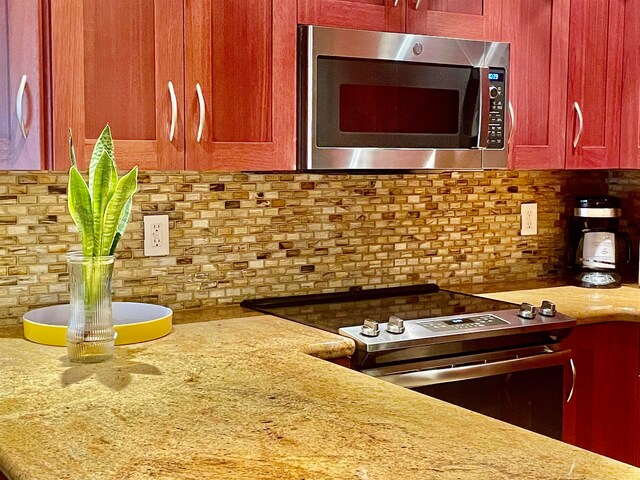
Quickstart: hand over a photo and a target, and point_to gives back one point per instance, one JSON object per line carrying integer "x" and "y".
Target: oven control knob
{"x": 395, "y": 325}
{"x": 548, "y": 309}
{"x": 493, "y": 92}
{"x": 527, "y": 311}
{"x": 370, "y": 328}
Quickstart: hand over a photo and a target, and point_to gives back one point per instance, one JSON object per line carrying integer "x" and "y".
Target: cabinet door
{"x": 21, "y": 115}
{"x": 538, "y": 31}
{"x": 384, "y": 15}
{"x": 475, "y": 19}
{"x": 240, "y": 84}
{"x": 595, "y": 75}
{"x": 630, "y": 126}
{"x": 602, "y": 415}
{"x": 112, "y": 63}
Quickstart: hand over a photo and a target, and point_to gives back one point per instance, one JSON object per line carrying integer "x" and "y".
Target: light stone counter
{"x": 243, "y": 399}
{"x": 587, "y": 305}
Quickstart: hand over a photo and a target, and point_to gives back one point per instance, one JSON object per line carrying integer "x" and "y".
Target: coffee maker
{"x": 598, "y": 251}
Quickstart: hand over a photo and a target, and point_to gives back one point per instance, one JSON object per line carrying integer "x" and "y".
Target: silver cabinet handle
{"x": 19, "y": 112}
{"x": 576, "y": 107}
{"x": 395, "y": 3}
{"x": 174, "y": 110}
{"x": 202, "y": 112}
{"x": 512, "y": 116}
{"x": 418, "y": 2}
{"x": 573, "y": 379}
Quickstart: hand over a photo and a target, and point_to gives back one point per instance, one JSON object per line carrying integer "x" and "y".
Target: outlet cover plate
{"x": 529, "y": 219}
{"x": 156, "y": 235}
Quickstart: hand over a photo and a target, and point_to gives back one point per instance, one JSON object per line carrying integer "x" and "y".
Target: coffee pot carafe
{"x": 598, "y": 250}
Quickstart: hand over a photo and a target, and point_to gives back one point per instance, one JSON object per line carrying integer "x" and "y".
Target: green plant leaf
{"x": 79, "y": 201}
{"x": 125, "y": 189}
{"x": 105, "y": 179}
{"x": 104, "y": 144}
{"x": 122, "y": 225}
{"x": 72, "y": 150}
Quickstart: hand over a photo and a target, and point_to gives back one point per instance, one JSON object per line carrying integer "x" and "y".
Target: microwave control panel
{"x": 497, "y": 108}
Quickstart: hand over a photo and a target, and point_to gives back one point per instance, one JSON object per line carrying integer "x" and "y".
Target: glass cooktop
{"x": 331, "y": 311}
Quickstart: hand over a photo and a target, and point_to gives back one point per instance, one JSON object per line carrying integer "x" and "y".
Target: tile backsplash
{"x": 237, "y": 235}
{"x": 626, "y": 185}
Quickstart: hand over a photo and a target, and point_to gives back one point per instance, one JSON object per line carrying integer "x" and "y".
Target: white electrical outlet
{"x": 529, "y": 219}
{"x": 156, "y": 235}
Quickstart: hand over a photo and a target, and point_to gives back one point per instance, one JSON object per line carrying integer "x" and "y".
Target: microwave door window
{"x": 385, "y": 104}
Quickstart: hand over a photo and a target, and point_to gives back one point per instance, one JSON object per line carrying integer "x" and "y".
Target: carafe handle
{"x": 627, "y": 241}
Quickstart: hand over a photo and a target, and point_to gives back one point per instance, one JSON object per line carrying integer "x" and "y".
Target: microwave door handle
{"x": 483, "y": 123}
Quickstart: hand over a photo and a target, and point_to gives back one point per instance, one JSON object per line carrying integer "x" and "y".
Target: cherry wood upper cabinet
{"x": 630, "y": 126}
{"x": 112, "y": 62}
{"x": 595, "y": 83}
{"x": 384, "y": 15}
{"x": 21, "y": 73}
{"x": 474, "y": 19}
{"x": 538, "y": 31}
{"x": 240, "y": 84}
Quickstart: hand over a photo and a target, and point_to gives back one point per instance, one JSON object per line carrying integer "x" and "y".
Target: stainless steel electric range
{"x": 496, "y": 358}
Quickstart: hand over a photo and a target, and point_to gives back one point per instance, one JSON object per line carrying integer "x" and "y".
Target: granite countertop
{"x": 247, "y": 398}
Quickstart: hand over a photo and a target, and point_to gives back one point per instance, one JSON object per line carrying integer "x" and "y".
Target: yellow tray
{"x": 133, "y": 322}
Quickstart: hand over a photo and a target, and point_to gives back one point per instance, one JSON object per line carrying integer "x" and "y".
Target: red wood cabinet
{"x": 240, "y": 85}
{"x": 595, "y": 82}
{"x": 602, "y": 415}
{"x": 112, "y": 63}
{"x": 384, "y": 15}
{"x": 475, "y": 19}
{"x": 206, "y": 84}
{"x": 21, "y": 73}
{"x": 538, "y": 31}
{"x": 630, "y": 126}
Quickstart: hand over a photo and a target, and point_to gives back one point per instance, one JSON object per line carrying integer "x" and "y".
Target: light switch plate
{"x": 529, "y": 219}
{"x": 156, "y": 235}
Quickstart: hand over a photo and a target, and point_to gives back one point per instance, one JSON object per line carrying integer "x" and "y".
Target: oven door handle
{"x": 485, "y": 103}
{"x": 454, "y": 373}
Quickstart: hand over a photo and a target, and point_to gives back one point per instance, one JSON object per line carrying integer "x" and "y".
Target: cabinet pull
{"x": 174, "y": 110}
{"x": 418, "y": 2}
{"x": 19, "y": 112}
{"x": 202, "y": 112}
{"x": 395, "y": 3}
{"x": 512, "y": 117}
{"x": 576, "y": 107}
{"x": 573, "y": 379}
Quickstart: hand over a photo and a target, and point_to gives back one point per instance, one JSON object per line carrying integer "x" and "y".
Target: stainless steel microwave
{"x": 389, "y": 101}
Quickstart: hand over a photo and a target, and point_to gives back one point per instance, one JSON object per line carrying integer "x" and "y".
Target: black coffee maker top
{"x": 598, "y": 207}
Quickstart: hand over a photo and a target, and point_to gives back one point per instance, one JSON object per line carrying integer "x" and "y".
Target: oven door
{"x": 523, "y": 387}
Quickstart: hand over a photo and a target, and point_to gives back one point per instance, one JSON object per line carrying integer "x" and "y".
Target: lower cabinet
{"x": 602, "y": 415}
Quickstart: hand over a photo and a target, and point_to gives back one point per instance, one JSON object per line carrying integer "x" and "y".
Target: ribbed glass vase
{"x": 90, "y": 334}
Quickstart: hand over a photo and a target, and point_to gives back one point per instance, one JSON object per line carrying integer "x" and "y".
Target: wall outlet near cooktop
{"x": 156, "y": 235}
{"x": 529, "y": 219}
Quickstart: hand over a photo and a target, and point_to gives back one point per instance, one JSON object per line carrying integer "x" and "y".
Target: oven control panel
{"x": 427, "y": 332}
{"x": 462, "y": 323}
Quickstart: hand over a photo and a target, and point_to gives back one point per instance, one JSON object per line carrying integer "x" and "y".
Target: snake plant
{"x": 101, "y": 209}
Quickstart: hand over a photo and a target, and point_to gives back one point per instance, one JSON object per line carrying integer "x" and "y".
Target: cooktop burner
{"x": 332, "y": 311}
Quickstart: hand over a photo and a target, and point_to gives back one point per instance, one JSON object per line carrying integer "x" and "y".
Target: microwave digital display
{"x": 496, "y": 77}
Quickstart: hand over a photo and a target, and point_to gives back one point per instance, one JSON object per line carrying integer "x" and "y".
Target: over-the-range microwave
{"x": 389, "y": 101}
